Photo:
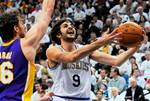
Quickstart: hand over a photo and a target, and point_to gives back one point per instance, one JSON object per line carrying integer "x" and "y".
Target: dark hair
{"x": 116, "y": 70}
{"x": 133, "y": 70}
{"x": 7, "y": 23}
{"x": 132, "y": 57}
{"x": 56, "y": 30}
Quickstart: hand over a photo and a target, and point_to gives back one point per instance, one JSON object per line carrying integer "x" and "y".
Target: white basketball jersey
{"x": 72, "y": 79}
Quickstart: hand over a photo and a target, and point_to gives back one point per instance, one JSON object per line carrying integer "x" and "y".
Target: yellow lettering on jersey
{"x": 4, "y": 55}
{"x": 8, "y": 56}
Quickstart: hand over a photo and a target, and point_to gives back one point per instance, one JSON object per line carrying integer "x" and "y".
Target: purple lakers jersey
{"x": 16, "y": 73}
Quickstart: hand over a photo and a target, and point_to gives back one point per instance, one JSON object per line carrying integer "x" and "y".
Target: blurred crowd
{"x": 131, "y": 80}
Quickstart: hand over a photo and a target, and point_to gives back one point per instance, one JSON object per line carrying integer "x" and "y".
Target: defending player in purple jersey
{"x": 17, "y": 69}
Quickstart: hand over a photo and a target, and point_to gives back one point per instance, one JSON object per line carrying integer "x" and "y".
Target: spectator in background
{"x": 133, "y": 64}
{"x": 145, "y": 46}
{"x": 49, "y": 83}
{"x": 108, "y": 24}
{"x": 79, "y": 15}
{"x": 79, "y": 40}
{"x": 98, "y": 23}
{"x": 139, "y": 14}
{"x": 130, "y": 6}
{"x": 115, "y": 95}
{"x": 135, "y": 92}
{"x": 145, "y": 65}
{"x": 117, "y": 81}
{"x": 92, "y": 37}
{"x": 99, "y": 95}
{"x": 140, "y": 79}
{"x": 119, "y": 9}
{"x": 36, "y": 95}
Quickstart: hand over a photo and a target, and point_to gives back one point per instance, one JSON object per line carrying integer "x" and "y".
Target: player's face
{"x": 68, "y": 31}
{"x": 21, "y": 28}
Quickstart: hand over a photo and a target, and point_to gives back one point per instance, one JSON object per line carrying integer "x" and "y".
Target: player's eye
{"x": 65, "y": 25}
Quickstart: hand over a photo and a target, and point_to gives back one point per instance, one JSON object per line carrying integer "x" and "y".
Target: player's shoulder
{"x": 53, "y": 48}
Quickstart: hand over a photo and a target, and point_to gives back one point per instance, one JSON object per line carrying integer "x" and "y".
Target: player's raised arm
{"x": 37, "y": 31}
{"x": 54, "y": 54}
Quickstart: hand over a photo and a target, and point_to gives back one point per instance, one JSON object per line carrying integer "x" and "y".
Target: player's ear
{"x": 58, "y": 35}
{"x": 16, "y": 28}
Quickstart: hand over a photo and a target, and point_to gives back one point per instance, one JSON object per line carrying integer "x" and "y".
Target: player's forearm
{"x": 37, "y": 31}
{"x": 47, "y": 10}
{"x": 125, "y": 55}
{"x": 87, "y": 49}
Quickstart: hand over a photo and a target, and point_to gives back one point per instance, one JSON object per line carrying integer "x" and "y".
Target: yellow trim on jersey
{"x": 8, "y": 43}
{"x": 29, "y": 83}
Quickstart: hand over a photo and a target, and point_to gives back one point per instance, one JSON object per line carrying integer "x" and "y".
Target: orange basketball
{"x": 132, "y": 34}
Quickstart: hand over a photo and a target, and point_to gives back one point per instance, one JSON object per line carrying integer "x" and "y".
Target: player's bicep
{"x": 56, "y": 55}
{"x": 34, "y": 35}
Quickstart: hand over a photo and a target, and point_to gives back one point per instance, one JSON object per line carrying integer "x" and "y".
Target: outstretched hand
{"x": 113, "y": 36}
{"x": 144, "y": 40}
{"x": 48, "y": 5}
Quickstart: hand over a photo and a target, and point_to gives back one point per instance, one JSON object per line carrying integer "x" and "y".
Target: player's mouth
{"x": 70, "y": 31}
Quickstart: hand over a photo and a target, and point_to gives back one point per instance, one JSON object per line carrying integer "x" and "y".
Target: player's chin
{"x": 72, "y": 36}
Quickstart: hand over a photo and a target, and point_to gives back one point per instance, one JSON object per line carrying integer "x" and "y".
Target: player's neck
{"x": 68, "y": 46}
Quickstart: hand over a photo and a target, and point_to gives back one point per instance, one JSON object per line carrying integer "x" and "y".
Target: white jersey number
{"x": 6, "y": 75}
{"x": 76, "y": 79}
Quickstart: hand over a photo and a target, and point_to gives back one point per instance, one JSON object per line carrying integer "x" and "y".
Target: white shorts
{"x": 56, "y": 98}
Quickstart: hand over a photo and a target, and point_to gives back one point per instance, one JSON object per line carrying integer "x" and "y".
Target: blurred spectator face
{"x": 44, "y": 78}
{"x": 37, "y": 7}
{"x": 43, "y": 63}
{"x": 103, "y": 73}
{"x": 113, "y": 73}
{"x": 93, "y": 35}
{"x": 136, "y": 72}
{"x": 49, "y": 83}
{"x": 114, "y": 91}
{"x": 99, "y": 95}
{"x": 133, "y": 82}
{"x": 81, "y": 26}
{"x": 108, "y": 21}
{"x": 147, "y": 55}
{"x": 121, "y": 2}
{"x": 128, "y": 2}
{"x": 79, "y": 39}
{"x": 140, "y": 10}
{"x": 78, "y": 9}
{"x": 32, "y": 19}
{"x": 132, "y": 60}
{"x": 38, "y": 87}
{"x": 66, "y": 5}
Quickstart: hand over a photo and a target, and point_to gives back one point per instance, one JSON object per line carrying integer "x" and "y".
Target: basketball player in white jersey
{"x": 69, "y": 62}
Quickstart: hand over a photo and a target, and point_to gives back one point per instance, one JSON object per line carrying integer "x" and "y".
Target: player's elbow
{"x": 115, "y": 63}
